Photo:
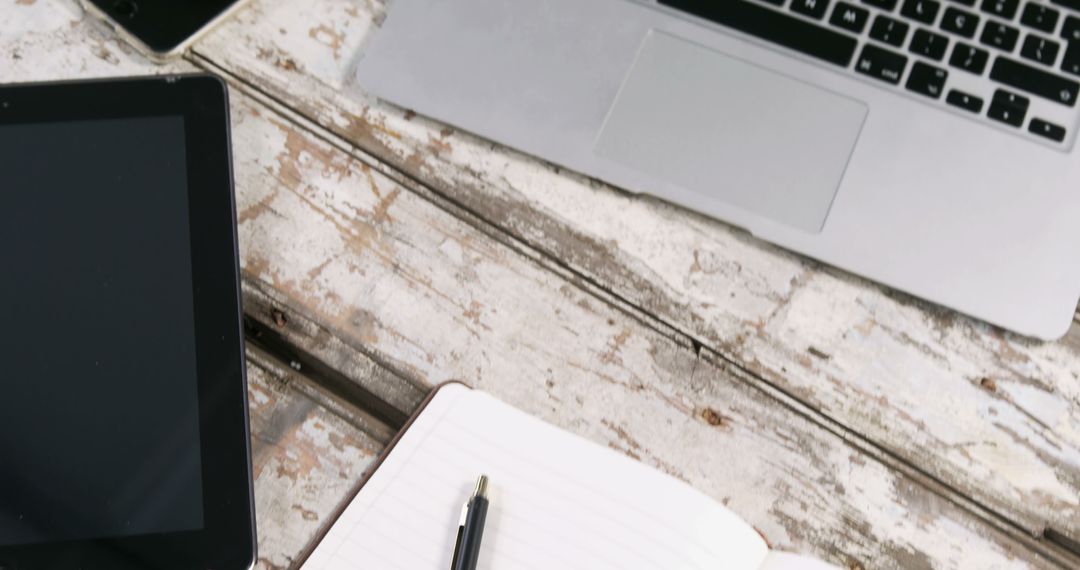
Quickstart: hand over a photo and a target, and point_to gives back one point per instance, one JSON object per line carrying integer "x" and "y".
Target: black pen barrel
{"x": 469, "y": 550}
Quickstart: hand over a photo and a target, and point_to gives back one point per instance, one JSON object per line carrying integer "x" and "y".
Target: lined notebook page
{"x": 556, "y": 501}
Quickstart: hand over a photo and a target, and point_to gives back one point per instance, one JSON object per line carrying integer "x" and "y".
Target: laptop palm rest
{"x": 728, "y": 130}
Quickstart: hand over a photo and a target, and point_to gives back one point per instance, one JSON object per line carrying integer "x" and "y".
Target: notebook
{"x": 556, "y": 501}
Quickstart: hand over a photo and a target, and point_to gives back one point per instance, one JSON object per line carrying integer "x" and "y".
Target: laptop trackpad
{"x": 730, "y": 130}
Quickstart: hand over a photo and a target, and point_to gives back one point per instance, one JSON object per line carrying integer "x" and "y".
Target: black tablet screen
{"x": 99, "y": 424}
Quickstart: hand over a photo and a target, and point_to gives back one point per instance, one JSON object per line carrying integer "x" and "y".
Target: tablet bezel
{"x": 227, "y": 540}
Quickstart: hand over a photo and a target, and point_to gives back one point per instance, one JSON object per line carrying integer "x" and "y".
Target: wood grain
{"x": 986, "y": 412}
{"x": 305, "y": 460}
{"x": 427, "y": 295}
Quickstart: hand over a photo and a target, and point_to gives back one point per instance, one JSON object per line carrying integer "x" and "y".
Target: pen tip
{"x": 481, "y": 487}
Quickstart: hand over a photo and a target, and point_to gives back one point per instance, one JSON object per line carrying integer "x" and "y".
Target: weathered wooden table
{"x": 384, "y": 253}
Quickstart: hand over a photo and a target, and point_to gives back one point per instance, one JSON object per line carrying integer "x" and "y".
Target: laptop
{"x": 927, "y": 145}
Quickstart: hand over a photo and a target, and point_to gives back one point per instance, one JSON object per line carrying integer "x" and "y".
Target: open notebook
{"x": 557, "y": 501}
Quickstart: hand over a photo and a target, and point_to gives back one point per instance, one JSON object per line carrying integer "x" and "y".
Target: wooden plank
{"x": 432, "y": 298}
{"x": 306, "y": 459}
{"x": 1003, "y": 422}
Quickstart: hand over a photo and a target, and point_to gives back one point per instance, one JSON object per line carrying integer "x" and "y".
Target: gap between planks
{"x": 857, "y": 351}
{"x": 349, "y": 374}
{"x": 1050, "y": 543}
{"x": 296, "y": 68}
{"x": 287, "y": 377}
{"x": 72, "y": 35}
{"x": 308, "y": 450}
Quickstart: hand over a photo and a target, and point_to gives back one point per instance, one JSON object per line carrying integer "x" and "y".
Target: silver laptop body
{"x": 901, "y": 161}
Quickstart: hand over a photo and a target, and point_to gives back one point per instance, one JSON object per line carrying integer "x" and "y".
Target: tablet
{"x": 123, "y": 412}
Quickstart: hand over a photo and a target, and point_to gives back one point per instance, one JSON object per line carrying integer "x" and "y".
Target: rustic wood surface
{"x": 430, "y": 297}
{"x": 1004, "y": 422}
{"x": 384, "y": 253}
{"x": 306, "y": 456}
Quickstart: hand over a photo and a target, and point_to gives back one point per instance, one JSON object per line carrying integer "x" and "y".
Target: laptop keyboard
{"x": 1013, "y": 62}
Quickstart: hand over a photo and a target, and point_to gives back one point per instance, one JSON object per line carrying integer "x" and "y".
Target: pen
{"x": 471, "y": 528}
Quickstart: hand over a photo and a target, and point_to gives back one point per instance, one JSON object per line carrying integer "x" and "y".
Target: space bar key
{"x": 773, "y": 26}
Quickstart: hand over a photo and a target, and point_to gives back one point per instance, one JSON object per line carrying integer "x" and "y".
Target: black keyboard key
{"x": 1008, "y": 108}
{"x": 775, "y": 2}
{"x": 924, "y": 11}
{"x": 1035, "y": 81}
{"x": 1070, "y": 30}
{"x": 1046, "y": 129}
{"x": 777, "y": 27}
{"x": 888, "y": 30}
{"x": 1039, "y": 17}
{"x": 969, "y": 58}
{"x": 1011, "y": 99}
{"x": 964, "y": 101}
{"x": 1039, "y": 49}
{"x": 1071, "y": 4}
{"x": 1000, "y": 36}
{"x": 1071, "y": 62}
{"x": 965, "y": 2}
{"x": 1001, "y": 8}
{"x": 849, "y": 17}
{"x": 929, "y": 44}
{"x": 883, "y": 4}
{"x": 927, "y": 79}
{"x": 812, "y": 8}
{"x": 881, "y": 64}
{"x": 959, "y": 22}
